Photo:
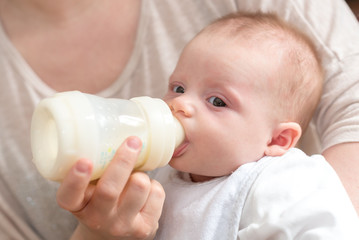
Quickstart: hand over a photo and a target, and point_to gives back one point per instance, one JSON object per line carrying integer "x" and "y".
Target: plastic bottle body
{"x": 74, "y": 125}
{"x": 115, "y": 119}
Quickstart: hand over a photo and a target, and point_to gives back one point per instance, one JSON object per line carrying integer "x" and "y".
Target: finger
{"x": 153, "y": 208}
{"x": 134, "y": 195}
{"x": 114, "y": 179}
{"x": 149, "y": 216}
{"x": 72, "y": 193}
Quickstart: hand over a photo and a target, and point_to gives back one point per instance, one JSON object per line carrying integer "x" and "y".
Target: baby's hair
{"x": 298, "y": 85}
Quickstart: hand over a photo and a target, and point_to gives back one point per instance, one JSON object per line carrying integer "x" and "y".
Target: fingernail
{"x": 134, "y": 143}
{"x": 82, "y": 166}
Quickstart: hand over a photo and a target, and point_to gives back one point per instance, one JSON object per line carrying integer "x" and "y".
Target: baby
{"x": 244, "y": 89}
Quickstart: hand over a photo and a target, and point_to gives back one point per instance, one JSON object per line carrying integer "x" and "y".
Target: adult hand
{"x": 122, "y": 205}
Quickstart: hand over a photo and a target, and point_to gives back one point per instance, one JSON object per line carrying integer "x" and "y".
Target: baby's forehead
{"x": 260, "y": 53}
{"x": 255, "y": 36}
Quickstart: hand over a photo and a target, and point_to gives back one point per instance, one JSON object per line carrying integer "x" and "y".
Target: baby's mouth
{"x": 180, "y": 150}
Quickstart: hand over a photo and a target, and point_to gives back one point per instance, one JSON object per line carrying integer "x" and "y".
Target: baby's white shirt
{"x": 290, "y": 197}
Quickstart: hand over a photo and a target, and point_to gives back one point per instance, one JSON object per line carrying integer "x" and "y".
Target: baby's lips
{"x": 180, "y": 149}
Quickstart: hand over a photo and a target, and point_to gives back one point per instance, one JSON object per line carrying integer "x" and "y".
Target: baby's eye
{"x": 217, "y": 102}
{"x": 178, "y": 89}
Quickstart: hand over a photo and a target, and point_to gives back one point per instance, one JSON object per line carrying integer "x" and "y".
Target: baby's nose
{"x": 182, "y": 105}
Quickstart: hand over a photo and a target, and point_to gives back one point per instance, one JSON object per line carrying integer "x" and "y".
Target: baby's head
{"x": 243, "y": 88}
{"x": 296, "y": 77}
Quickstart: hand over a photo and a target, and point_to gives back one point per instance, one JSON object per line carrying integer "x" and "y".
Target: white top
{"x": 290, "y": 197}
{"x": 27, "y": 202}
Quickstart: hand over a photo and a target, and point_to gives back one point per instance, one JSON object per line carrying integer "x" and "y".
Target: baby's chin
{"x": 177, "y": 164}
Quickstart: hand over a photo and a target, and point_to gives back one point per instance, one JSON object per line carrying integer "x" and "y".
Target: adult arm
{"x": 344, "y": 158}
{"x": 121, "y": 205}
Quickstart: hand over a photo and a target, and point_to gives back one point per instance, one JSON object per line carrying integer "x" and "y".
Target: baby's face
{"x": 219, "y": 95}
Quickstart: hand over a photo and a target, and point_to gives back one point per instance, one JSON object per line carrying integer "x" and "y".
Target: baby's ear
{"x": 285, "y": 136}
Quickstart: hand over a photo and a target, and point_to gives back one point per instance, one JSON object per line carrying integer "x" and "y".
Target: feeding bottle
{"x": 73, "y": 125}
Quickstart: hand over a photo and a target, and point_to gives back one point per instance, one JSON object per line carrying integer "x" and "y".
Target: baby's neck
{"x": 200, "y": 178}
